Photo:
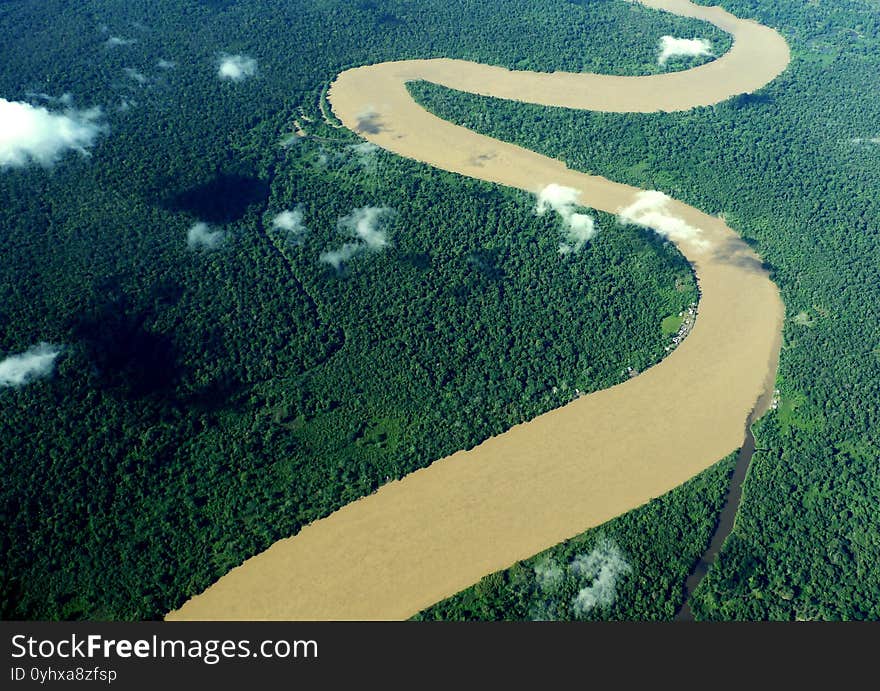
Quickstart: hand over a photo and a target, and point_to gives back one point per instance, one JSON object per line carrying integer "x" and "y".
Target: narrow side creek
{"x": 727, "y": 519}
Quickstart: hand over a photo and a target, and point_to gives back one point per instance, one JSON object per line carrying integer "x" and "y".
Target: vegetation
{"x": 671, "y": 324}
{"x": 795, "y": 169}
{"x": 209, "y": 402}
{"x": 641, "y": 560}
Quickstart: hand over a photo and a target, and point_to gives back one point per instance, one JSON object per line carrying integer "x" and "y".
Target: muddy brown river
{"x": 438, "y": 530}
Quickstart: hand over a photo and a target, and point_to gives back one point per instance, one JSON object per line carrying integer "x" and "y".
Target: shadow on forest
{"x": 418, "y": 260}
{"x": 225, "y": 199}
{"x": 217, "y": 395}
{"x": 383, "y": 19}
{"x": 127, "y": 355}
{"x": 741, "y": 101}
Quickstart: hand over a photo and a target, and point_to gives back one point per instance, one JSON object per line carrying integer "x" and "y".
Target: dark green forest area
{"x": 209, "y": 401}
{"x": 795, "y": 168}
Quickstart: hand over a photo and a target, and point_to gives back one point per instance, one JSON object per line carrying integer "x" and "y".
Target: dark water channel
{"x": 728, "y": 511}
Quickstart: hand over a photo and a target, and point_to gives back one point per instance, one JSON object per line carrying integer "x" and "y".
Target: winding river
{"x": 438, "y": 530}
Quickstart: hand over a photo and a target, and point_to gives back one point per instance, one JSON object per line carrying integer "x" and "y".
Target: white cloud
{"x": 290, "y": 140}
{"x": 291, "y": 223}
{"x": 136, "y": 75}
{"x": 581, "y": 228}
{"x": 336, "y": 258}
{"x": 364, "y": 148}
{"x": 34, "y": 134}
{"x": 289, "y": 220}
{"x": 649, "y": 210}
{"x": 115, "y": 41}
{"x": 671, "y": 47}
{"x": 548, "y": 573}
{"x": 558, "y": 198}
{"x": 34, "y": 363}
{"x": 236, "y": 67}
{"x": 365, "y": 152}
{"x": 365, "y": 225}
{"x": 201, "y": 236}
{"x": 603, "y": 567}
{"x": 163, "y": 64}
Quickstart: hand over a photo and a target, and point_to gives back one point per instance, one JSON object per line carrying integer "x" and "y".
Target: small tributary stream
{"x": 727, "y": 519}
